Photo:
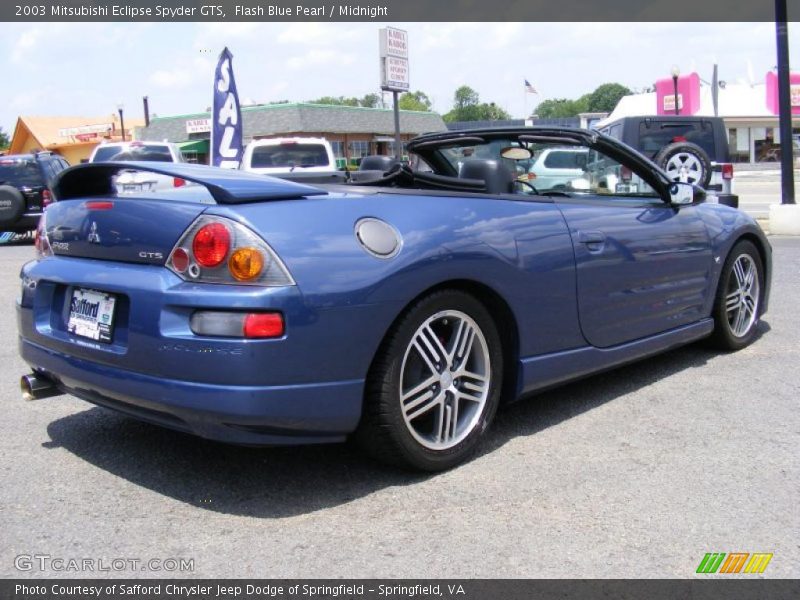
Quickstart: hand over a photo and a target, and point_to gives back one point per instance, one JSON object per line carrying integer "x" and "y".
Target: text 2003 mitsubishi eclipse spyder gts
{"x": 399, "y": 306}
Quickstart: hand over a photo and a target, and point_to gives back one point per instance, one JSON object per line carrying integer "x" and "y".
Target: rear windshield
{"x": 654, "y": 136}
{"x": 20, "y": 173}
{"x": 151, "y": 153}
{"x": 289, "y": 155}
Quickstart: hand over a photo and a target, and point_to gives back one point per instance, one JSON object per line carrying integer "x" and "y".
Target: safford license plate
{"x": 91, "y": 315}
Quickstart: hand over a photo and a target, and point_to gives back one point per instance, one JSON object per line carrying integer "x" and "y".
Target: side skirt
{"x": 549, "y": 370}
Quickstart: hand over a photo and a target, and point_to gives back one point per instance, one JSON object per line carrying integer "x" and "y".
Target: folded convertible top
{"x": 226, "y": 186}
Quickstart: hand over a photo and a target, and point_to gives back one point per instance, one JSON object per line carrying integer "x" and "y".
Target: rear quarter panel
{"x": 519, "y": 249}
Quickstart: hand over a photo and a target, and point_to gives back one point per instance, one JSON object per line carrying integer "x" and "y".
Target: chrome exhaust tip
{"x": 36, "y": 387}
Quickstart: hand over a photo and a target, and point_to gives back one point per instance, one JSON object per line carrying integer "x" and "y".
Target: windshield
{"x": 554, "y": 167}
{"x": 151, "y": 153}
{"x": 20, "y": 173}
{"x": 289, "y": 155}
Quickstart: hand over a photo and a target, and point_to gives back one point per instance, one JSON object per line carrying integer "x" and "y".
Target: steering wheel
{"x": 529, "y": 184}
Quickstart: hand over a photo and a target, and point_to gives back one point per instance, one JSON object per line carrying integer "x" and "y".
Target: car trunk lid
{"x": 119, "y": 229}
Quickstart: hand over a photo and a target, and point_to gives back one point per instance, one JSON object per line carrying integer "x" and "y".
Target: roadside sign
{"x": 394, "y": 59}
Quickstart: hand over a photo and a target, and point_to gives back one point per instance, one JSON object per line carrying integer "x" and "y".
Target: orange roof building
{"x": 74, "y": 138}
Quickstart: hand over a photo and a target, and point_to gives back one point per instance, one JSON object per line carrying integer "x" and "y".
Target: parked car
{"x": 25, "y": 181}
{"x": 400, "y": 311}
{"x": 688, "y": 148}
{"x": 277, "y": 156}
{"x": 130, "y": 181}
{"x": 556, "y": 167}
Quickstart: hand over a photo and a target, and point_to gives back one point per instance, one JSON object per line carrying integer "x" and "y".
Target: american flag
{"x": 529, "y": 88}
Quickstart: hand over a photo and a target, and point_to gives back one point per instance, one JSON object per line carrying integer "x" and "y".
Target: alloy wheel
{"x": 741, "y": 300}
{"x": 445, "y": 380}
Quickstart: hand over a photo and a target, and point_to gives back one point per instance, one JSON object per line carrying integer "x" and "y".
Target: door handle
{"x": 594, "y": 240}
{"x": 591, "y": 237}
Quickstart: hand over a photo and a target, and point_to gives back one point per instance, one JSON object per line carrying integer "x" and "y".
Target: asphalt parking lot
{"x": 636, "y": 473}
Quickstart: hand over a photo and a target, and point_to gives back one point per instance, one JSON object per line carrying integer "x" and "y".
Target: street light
{"x": 120, "y": 107}
{"x": 675, "y": 73}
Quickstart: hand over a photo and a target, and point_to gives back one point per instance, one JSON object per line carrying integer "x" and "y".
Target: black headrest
{"x": 377, "y": 163}
{"x": 497, "y": 177}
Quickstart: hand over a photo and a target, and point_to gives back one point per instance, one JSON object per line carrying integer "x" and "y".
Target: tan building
{"x": 74, "y": 138}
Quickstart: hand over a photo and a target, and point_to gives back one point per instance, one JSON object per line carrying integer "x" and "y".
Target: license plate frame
{"x": 91, "y": 315}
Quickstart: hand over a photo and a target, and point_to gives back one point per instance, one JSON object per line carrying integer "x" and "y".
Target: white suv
{"x": 278, "y": 156}
{"x": 132, "y": 182}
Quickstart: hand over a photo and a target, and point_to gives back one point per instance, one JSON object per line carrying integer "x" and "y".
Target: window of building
{"x": 739, "y": 144}
{"x": 359, "y": 149}
{"x": 338, "y": 149}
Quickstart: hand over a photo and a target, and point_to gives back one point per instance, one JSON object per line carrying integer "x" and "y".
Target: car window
{"x": 149, "y": 153}
{"x": 563, "y": 159}
{"x": 604, "y": 175}
{"x": 20, "y": 173}
{"x": 289, "y": 155}
{"x": 653, "y": 136}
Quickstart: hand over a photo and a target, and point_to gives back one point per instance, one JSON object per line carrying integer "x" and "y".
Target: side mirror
{"x": 681, "y": 194}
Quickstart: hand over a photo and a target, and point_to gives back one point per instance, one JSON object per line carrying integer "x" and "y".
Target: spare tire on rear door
{"x": 12, "y": 205}
{"x": 684, "y": 161}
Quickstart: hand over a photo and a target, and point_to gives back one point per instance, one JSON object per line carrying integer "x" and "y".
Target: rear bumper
{"x": 300, "y": 388}
{"x": 252, "y": 415}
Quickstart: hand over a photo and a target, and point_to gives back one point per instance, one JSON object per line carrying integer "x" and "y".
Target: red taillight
{"x": 98, "y": 205}
{"x": 263, "y": 325}
{"x": 178, "y": 182}
{"x": 625, "y": 174}
{"x": 211, "y": 244}
{"x": 180, "y": 260}
{"x": 727, "y": 171}
{"x": 47, "y": 198}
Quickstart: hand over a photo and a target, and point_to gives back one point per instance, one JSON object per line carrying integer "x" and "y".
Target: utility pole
{"x": 784, "y": 104}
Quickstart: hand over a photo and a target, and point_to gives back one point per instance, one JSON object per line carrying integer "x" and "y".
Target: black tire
{"x": 12, "y": 206}
{"x": 725, "y": 337}
{"x": 695, "y": 160}
{"x": 383, "y": 431}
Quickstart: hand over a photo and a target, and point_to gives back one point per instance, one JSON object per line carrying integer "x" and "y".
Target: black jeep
{"x": 25, "y": 181}
{"x": 691, "y": 149}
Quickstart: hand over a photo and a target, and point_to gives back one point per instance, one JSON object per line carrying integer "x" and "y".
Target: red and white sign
{"x": 394, "y": 59}
{"x": 394, "y": 42}
{"x": 198, "y": 125}
{"x": 84, "y": 129}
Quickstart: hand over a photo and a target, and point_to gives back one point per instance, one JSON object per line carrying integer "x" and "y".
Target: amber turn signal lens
{"x": 246, "y": 263}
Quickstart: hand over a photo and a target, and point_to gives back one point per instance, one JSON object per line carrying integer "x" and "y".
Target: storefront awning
{"x": 195, "y": 146}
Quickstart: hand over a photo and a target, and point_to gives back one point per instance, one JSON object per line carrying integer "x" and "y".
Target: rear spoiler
{"x": 226, "y": 186}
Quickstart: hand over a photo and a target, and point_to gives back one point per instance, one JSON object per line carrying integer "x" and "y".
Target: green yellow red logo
{"x": 735, "y": 562}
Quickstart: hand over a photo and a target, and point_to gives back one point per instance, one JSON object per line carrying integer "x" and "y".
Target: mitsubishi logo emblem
{"x": 93, "y": 238}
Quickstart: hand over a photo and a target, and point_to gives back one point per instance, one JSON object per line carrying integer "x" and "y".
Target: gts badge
{"x": 62, "y": 246}
{"x": 151, "y": 255}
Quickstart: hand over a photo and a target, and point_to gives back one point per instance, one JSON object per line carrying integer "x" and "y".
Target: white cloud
{"x": 316, "y": 58}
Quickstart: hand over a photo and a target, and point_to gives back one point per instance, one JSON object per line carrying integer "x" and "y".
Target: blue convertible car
{"x": 398, "y": 305}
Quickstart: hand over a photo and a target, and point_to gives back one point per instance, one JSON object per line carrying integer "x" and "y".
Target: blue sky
{"x": 86, "y": 69}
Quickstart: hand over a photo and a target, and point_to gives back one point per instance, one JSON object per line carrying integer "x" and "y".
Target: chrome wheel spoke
{"x": 732, "y": 300}
{"x": 472, "y": 386}
{"x": 422, "y": 404}
{"x": 462, "y": 343}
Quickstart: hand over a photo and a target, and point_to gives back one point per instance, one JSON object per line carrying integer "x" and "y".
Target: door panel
{"x": 643, "y": 266}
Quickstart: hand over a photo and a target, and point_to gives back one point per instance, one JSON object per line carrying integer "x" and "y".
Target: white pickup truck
{"x": 277, "y": 156}
{"x": 129, "y": 182}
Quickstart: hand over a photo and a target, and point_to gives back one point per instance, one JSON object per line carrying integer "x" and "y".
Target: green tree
{"x": 465, "y": 97}
{"x": 415, "y": 101}
{"x": 370, "y": 101}
{"x": 606, "y": 97}
{"x": 468, "y": 107}
{"x": 557, "y": 108}
{"x": 5, "y": 141}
